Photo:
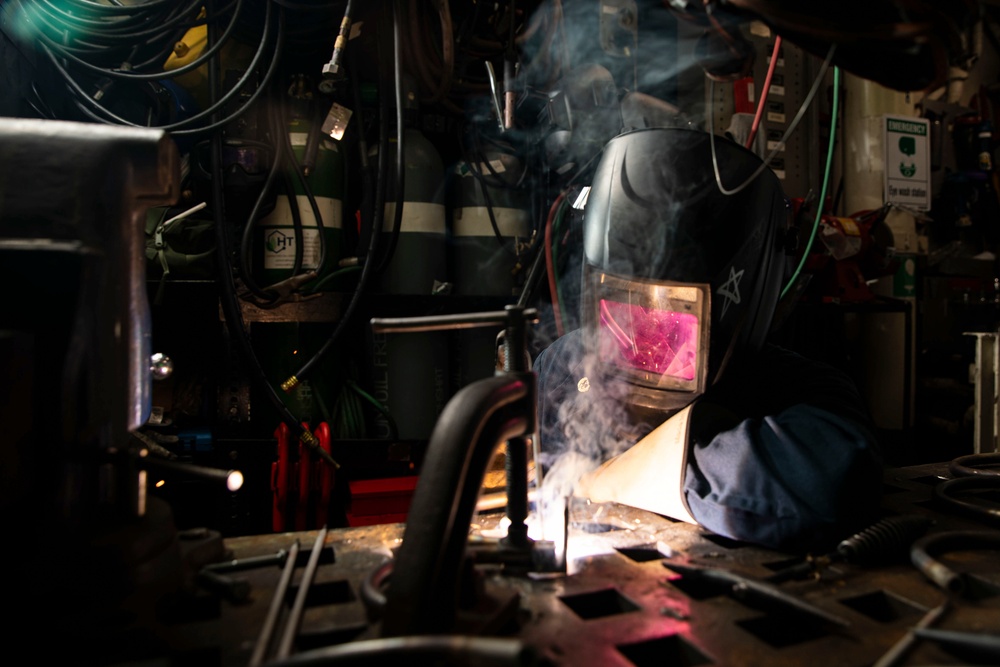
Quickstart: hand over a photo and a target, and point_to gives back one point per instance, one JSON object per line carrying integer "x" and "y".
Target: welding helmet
{"x": 679, "y": 279}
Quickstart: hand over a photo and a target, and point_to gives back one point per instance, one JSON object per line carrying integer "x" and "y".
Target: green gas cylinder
{"x": 327, "y": 181}
{"x": 480, "y": 264}
{"x": 410, "y": 371}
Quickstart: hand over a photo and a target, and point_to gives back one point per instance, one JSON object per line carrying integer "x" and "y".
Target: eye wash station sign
{"x": 907, "y": 162}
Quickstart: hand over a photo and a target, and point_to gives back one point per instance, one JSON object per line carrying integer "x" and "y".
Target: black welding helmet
{"x": 678, "y": 278}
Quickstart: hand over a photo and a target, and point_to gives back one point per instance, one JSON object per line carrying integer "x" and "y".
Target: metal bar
{"x": 987, "y": 408}
{"x": 295, "y": 616}
{"x": 900, "y": 648}
{"x": 271, "y": 620}
{"x": 233, "y": 479}
{"x": 446, "y": 322}
{"x": 248, "y": 563}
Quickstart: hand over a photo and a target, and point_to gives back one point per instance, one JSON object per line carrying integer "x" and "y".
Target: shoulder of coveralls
{"x": 776, "y": 379}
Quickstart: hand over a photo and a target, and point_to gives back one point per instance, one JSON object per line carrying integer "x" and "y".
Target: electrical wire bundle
{"x": 97, "y": 49}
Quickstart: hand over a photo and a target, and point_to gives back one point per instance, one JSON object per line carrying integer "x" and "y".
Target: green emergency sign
{"x": 907, "y": 162}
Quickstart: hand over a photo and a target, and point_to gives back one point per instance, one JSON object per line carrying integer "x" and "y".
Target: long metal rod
{"x": 295, "y": 616}
{"x": 900, "y": 648}
{"x": 447, "y": 322}
{"x": 271, "y": 620}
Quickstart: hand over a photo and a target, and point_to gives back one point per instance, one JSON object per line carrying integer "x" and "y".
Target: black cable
{"x": 306, "y": 189}
{"x": 227, "y": 288}
{"x": 190, "y": 67}
{"x": 367, "y": 268}
{"x": 474, "y": 169}
{"x": 174, "y": 128}
{"x": 246, "y": 243}
{"x": 118, "y": 9}
{"x": 268, "y": 75}
{"x": 128, "y": 34}
{"x": 293, "y": 207}
{"x": 400, "y": 143}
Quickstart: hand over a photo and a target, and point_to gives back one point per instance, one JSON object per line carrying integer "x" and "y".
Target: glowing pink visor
{"x": 655, "y": 334}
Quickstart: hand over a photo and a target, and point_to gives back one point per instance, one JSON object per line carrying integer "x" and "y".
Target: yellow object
{"x": 190, "y": 46}
{"x": 289, "y": 384}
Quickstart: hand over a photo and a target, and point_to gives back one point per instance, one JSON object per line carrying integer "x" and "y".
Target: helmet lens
{"x": 653, "y": 334}
{"x": 654, "y": 342}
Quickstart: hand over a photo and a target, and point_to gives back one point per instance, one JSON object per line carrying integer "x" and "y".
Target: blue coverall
{"x": 782, "y": 453}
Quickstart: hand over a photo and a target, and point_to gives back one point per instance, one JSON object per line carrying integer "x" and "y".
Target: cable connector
{"x": 312, "y": 442}
{"x": 288, "y": 385}
{"x": 333, "y": 70}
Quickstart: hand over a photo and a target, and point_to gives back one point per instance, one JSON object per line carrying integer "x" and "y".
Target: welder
{"x": 670, "y": 386}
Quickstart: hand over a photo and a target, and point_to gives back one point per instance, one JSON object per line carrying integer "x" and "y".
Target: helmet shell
{"x": 655, "y": 212}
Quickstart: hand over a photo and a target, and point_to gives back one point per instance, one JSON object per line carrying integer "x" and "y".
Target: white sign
{"x": 907, "y": 162}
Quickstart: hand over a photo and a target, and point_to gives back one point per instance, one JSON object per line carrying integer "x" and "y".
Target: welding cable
{"x": 368, "y": 267}
{"x": 330, "y": 277}
{"x": 550, "y": 269}
{"x": 925, "y": 552}
{"x": 780, "y": 146}
{"x": 480, "y": 178}
{"x": 826, "y": 182}
{"x": 765, "y": 89}
{"x": 293, "y": 208}
{"x": 400, "y": 142}
{"x": 945, "y": 493}
{"x": 245, "y": 262}
{"x": 109, "y": 36}
{"x": 230, "y": 304}
{"x": 976, "y": 465}
{"x": 152, "y": 76}
{"x": 109, "y": 117}
{"x": 296, "y": 167}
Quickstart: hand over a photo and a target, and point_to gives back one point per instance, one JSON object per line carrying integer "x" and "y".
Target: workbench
{"x": 620, "y": 603}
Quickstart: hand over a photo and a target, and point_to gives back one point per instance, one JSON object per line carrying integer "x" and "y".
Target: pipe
{"x": 422, "y": 597}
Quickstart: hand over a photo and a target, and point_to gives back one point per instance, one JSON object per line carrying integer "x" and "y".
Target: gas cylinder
{"x": 411, "y": 369}
{"x": 322, "y": 159}
{"x": 481, "y": 265}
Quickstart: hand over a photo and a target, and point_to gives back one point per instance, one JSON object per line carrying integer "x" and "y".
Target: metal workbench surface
{"x": 621, "y": 604}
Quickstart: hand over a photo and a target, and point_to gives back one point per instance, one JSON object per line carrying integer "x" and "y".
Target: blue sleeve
{"x": 796, "y": 464}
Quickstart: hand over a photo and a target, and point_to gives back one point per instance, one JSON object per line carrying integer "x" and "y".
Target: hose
{"x": 826, "y": 181}
{"x": 925, "y": 552}
{"x": 230, "y": 303}
{"x": 400, "y": 141}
